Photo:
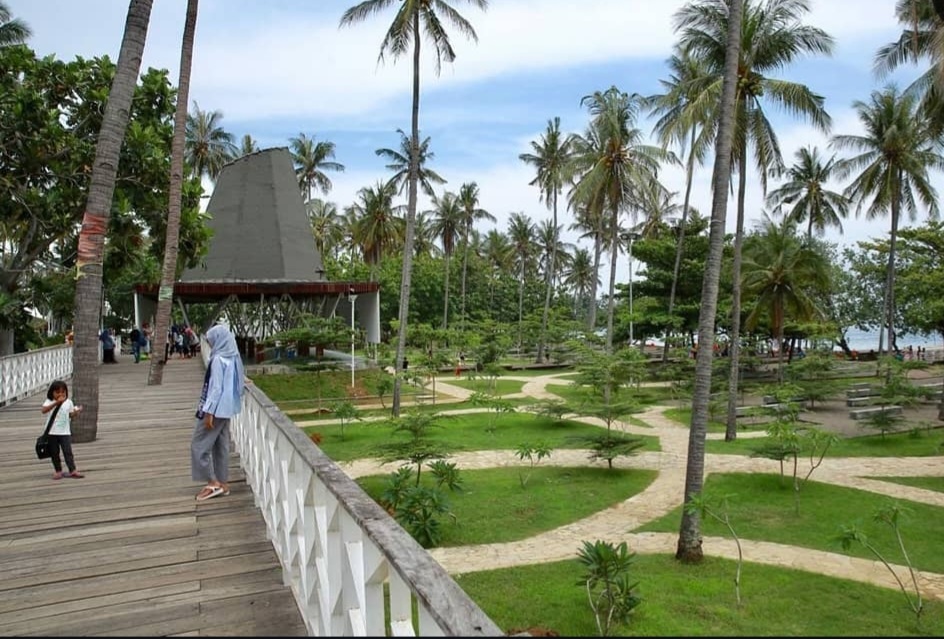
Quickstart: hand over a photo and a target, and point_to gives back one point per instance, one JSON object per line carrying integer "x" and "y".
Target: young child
{"x": 60, "y": 433}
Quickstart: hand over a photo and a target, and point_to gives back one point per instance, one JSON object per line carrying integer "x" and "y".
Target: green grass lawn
{"x": 761, "y": 507}
{"x": 905, "y": 444}
{"x": 687, "y": 601}
{"x": 643, "y": 396}
{"x": 461, "y": 432}
{"x": 928, "y": 483}
{"x": 494, "y": 508}
{"x": 497, "y": 386}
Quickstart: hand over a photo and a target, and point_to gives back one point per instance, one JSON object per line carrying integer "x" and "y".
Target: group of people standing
{"x": 182, "y": 341}
{"x": 220, "y": 401}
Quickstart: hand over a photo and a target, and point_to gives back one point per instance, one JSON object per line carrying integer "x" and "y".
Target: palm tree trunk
{"x": 734, "y": 343}
{"x": 91, "y": 250}
{"x": 446, "y": 295}
{"x": 614, "y": 254}
{"x": 689, "y": 543}
{"x": 592, "y": 302}
{"x": 407, "y": 270}
{"x": 520, "y": 304}
{"x": 889, "y": 314}
{"x": 680, "y": 241}
{"x": 165, "y": 297}
{"x": 465, "y": 266}
{"x": 549, "y": 284}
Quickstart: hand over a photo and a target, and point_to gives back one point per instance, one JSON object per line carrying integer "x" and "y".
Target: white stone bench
{"x": 865, "y": 413}
{"x": 858, "y": 402}
{"x": 860, "y": 392}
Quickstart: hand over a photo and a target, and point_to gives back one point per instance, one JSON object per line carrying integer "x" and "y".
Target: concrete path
{"x": 664, "y": 494}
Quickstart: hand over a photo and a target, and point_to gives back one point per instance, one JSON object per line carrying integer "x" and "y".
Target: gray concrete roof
{"x": 260, "y": 226}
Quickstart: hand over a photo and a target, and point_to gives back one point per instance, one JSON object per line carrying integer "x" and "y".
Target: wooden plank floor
{"x": 127, "y": 550}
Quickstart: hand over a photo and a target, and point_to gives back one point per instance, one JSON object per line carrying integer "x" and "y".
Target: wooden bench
{"x": 748, "y": 411}
{"x": 865, "y": 413}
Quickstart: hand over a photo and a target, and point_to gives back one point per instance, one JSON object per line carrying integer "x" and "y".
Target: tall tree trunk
{"x": 465, "y": 264}
{"x": 91, "y": 250}
{"x": 592, "y": 310}
{"x": 680, "y": 241}
{"x": 446, "y": 295}
{"x": 549, "y": 283}
{"x": 614, "y": 255}
{"x": 407, "y": 270}
{"x": 165, "y": 296}
{"x": 734, "y": 343}
{"x": 889, "y": 310}
{"x": 520, "y": 303}
{"x": 689, "y": 543}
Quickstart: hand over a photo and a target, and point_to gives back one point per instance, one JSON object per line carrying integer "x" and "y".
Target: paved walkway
{"x": 664, "y": 494}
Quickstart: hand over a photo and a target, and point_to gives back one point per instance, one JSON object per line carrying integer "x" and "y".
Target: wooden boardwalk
{"x": 127, "y": 550}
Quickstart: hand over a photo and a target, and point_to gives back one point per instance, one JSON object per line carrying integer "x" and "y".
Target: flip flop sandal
{"x": 213, "y": 492}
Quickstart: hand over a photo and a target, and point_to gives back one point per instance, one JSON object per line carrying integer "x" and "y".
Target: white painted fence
{"x": 26, "y": 373}
{"x": 338, "y": 548}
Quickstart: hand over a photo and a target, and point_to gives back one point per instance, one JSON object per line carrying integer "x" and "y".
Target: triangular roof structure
{"x": 263, "y": 254}
{"x": 260, "y": 228}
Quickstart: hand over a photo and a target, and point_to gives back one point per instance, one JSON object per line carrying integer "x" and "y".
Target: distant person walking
{"x": 60, "y": 432}
{"x": 107, "y": 339}
{"x": 220, "y": 400}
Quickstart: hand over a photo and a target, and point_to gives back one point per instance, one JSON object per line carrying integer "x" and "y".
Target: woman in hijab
{"x": 220, "y": 400}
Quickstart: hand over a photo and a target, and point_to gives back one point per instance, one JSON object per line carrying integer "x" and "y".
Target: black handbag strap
{"x": 52, "y": 418}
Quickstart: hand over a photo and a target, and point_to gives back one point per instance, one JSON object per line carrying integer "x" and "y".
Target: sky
{"x": 279, "y": 68}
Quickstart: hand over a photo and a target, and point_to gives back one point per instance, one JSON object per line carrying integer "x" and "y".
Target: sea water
{"x": 865, "y": 341}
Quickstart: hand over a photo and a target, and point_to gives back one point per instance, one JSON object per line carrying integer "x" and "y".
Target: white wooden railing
{"x": 26, "y": 373}
{"x": 338, "y": 548}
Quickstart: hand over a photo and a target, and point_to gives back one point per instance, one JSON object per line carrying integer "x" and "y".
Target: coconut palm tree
{"x": 326, "y": 226}
{"x": 12, "y": 30}
{"x": 779, "y": 272}
{"x": 521, "y": 230}
{"x": 550, "y": 158}
{"x": 579, "y": 278}
{"x": 399, "y": 163}
{"x": 689, "y": 548}
{"x": 471, "y": 213}
{"x": 612, "y": 165}
{"x": 806, "y": 190}
{"x": 311, "y": 160}
{"x": 247, "y": 145}
{"x": 921, "y": 41}
{"x": 91, "y": 248}
{"x": 447, "y": 226}
{"x": 377, "y": 224}
{"x": 683, "y": 113}
{"x": 772, "y": 36}
{"x": 172, "y": 232}
{"x": 499, "y": 254}
{"x": 208, "y": 146}
{"x": 412, "y": 19}
{"x": 590, "y": 222}
{"x": 891, "y": 166}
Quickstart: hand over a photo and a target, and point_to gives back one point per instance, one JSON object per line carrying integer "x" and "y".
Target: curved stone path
{"x": 616, "y": 524}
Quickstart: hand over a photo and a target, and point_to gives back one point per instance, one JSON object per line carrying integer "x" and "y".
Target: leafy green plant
{"x": 445, "y": 474}
{"x": 418, "y": 449}
{"x": 718, "y": 509}
{"x": 419, "y": 513}
{"x": 533, "y": 454}
{"x": 383, "y": 384}
{"x": 346, "y": 412}
{"x": 607, "y": 582}
{"x": 890, "y": 514}
{"x": 495, "y": 405}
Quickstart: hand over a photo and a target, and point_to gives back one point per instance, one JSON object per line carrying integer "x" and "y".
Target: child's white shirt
{"x": 63, "y": 423}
